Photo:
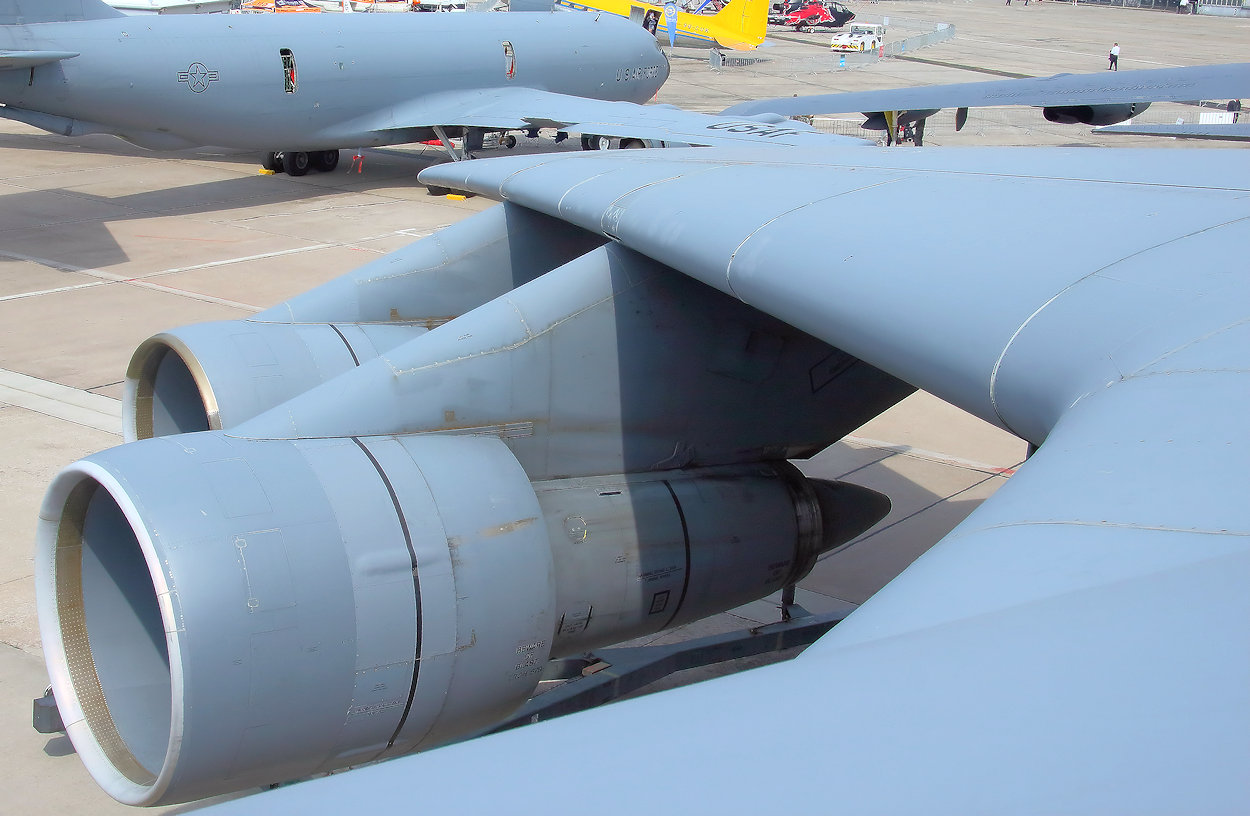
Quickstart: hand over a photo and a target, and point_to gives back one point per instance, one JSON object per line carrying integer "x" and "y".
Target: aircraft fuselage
{"x": 313, "y": 82}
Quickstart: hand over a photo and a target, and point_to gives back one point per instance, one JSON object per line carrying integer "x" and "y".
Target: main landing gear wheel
{"x": 272, "y": 162}
{"x": 324, "y": 160}
{"x": 295, "y": 163}
{"x": 596, "y": 142}
{"x": 509, "y": 141}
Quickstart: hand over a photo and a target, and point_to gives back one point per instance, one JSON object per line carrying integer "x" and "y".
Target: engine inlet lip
{"x": 58, "y": 533}
{"x": 138, "y": 390}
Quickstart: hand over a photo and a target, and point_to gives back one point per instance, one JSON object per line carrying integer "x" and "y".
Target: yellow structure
{"x": 740, "y": 25}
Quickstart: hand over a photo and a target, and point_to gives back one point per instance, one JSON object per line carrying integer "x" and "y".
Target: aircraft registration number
{"x": 637, "y": 72}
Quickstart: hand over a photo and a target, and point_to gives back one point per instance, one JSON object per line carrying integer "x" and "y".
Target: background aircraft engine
{"x": 221, "y": 613}
{"x": 1093, "y": 114}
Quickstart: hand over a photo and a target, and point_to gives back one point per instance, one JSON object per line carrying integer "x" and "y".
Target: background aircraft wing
{"x": 12, "y": 60}
{"x": 523, "y": 108}
{"x": 1224, "y": 133}
{"x": 1077, "y": 645}
{"x": 1061, "y": 90}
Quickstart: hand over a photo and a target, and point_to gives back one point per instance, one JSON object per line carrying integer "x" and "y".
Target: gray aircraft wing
{"x": 12, "y": 60}
{"x": 524, "y": 108}
{"x": 1061, "y": 90}
{"x": 1222, "y": 133}
{"x": 1077, "y": 645}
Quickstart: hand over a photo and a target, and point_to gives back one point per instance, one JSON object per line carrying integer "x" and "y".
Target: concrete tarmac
{"x": 103, "y": 244}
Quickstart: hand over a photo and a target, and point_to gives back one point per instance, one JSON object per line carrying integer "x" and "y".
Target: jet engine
{"x": 1094, "y": 114}
{"x": 223, "y": 613}
{"x": 378, "y": 555}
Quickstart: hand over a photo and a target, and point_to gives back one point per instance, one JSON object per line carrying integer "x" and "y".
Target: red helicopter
{"x": 809, "y": 15}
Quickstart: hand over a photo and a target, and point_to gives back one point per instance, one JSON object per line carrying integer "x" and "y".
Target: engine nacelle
{"x": 209, "y": 376}
{"x": 221, "y": 613}
{"x": 217, "y": 375}
{"x": 1093, "y": 114}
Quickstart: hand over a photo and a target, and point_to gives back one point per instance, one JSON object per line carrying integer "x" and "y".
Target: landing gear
{"x": 298, "y": 163}
{"x": 596, "y": 142}
{"x": 508, "y": 141}
{"x": 295, "y": 163}
{"x": 324, "y": 160}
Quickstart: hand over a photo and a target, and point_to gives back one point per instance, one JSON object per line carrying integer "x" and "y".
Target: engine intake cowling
{"x": 210, "y": 376}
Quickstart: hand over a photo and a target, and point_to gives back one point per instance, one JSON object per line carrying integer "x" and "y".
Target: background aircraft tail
{"x": 21, "y": 12}
{"x": 744, "y": 24}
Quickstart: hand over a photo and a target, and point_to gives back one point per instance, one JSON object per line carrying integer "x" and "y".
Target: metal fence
{"x": 943, "y": 32}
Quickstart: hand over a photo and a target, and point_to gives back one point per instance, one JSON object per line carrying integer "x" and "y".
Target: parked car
{"x": 859, "y": 37}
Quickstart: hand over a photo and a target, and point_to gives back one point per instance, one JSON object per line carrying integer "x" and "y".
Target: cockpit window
{"x": 288, "y": 69}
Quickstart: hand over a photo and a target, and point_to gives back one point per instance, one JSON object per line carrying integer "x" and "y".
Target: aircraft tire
{"x": 632, "y": 144}
{"x": 295, "y": 162}
{"x": 435, "y": 190}
{"x": 272, "y": 162}
{"x": 587, "y": 144}
{"x": 509, "y": 141}
{"x": 324, "y": 160}
{"x": 603, "y": 143}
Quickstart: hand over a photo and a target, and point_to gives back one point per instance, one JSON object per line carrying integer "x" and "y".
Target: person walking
{"x": 1114, "y": 57}
{"x": 1234, "y": 107}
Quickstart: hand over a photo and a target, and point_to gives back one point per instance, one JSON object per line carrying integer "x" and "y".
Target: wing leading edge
{"x": 1077, "y": 644}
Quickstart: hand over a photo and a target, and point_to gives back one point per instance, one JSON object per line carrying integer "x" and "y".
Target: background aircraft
{"x": 590, "y": 441}
{"x": 305, "y": 87}
{"x": 740, "y": 24}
